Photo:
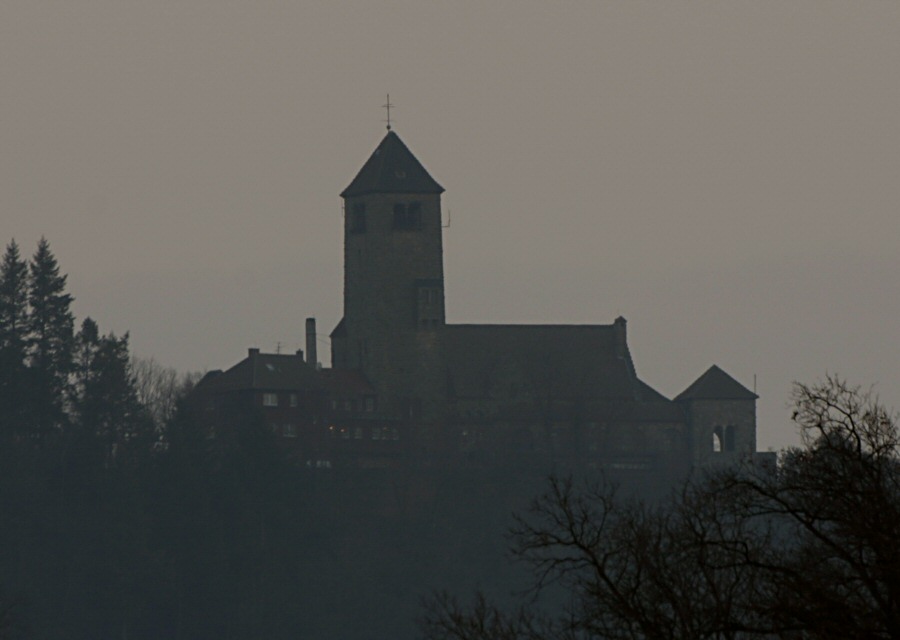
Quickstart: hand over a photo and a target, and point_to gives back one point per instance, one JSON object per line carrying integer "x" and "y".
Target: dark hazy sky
{"x": 725, "y": 175}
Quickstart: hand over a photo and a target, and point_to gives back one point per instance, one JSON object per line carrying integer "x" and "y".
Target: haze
{"x": 724, "y": 175}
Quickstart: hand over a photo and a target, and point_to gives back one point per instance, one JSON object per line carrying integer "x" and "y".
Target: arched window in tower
{"x": 717, "y": 440}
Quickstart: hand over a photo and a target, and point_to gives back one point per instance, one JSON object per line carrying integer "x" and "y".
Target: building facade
{"x": 406, "y": 388}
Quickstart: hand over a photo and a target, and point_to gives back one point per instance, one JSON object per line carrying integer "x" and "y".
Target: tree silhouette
{"x": 13, "y": 340}
{"x": 50, "y": 342}
{"x": 807, "y": 549}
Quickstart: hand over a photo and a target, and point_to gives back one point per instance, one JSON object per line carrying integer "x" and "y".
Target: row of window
{"x": 287, "y": 430}
{"x": 359, "y": 433}
{"x": 271, "y": 400}
{"x": 367, "y": 405}
{"x": 407, "y": 217}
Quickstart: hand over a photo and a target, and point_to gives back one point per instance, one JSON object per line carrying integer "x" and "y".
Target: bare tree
{"x": 159, "y": 388}
{"x": 805, "y": 550}
{"x": 835, "y": 572}
{"x": 447, "y": 619}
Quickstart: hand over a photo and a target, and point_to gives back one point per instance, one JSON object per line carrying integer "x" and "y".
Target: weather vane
{"x": 387, "y": 105}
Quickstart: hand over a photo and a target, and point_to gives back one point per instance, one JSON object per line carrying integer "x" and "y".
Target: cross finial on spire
{"x": 387, "y": 105}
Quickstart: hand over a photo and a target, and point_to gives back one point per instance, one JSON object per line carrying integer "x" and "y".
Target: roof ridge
{"x": 532, "y": 325}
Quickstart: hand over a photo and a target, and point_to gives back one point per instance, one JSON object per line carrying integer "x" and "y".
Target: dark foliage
{"x": 13, "y": 341}
{"x": 50, "y": 342}
{"x": 805, "y": 550}
{"x": 121, "y": 518}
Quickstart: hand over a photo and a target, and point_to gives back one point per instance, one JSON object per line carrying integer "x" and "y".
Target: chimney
{"x": 252, "y": 352}
{"x": 311, "y": 342}
{"x": 300, "y": 354}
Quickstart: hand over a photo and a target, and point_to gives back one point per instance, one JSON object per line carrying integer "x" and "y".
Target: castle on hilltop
{"x": 407, "y": 388}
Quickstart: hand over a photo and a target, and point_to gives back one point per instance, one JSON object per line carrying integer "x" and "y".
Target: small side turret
{"x": 721, "y": 418}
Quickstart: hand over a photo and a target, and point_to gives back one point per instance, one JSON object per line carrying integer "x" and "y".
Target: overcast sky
{"x": 725, "y": 175}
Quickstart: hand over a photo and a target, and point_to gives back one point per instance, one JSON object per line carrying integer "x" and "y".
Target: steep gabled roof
{"x": 268, "y": 371}
{"x": 646, "y": 393}
{"x": 345, "y": 382}
{"x": 566, "y": 361}
{"x": 392, "y": 168}
{"x": 715, "y": 384}
{"x": 340, "y": 331}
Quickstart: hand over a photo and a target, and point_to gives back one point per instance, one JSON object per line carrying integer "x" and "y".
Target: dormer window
{"x": 407, "y": 216}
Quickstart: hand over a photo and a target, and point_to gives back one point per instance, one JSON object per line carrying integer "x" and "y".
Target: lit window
{"x": 270, "y": 399}
{"x": 717, "y": 440}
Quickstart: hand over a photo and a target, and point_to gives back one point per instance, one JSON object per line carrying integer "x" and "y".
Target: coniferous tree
{"x": 13, "y": 339}
{"x": 50, "y": 342}
{"x": 82, "y": 449}
{"x": 106, "y": 403}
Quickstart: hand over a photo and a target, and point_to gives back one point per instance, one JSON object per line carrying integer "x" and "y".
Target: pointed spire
{"x": 392, "y": 168}
{"x": 715, "y": 384}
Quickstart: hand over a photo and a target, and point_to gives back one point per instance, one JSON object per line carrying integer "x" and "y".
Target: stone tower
{"x": 394, "y": 283}
{"x": 721, "y": 417}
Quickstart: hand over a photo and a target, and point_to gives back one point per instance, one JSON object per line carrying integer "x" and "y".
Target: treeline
{"x": 76, "y": 396}
{"x": 805, "y": 549}
{"x": 120, "y": 518}
{"x": 116, "y": 521}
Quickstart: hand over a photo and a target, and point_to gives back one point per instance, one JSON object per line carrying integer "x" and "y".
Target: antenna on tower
{"x": 387, "y": 105}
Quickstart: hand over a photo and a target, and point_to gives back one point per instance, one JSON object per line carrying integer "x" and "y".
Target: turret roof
{"x": 392, "y": 168}
{"x": 715, "y": 384}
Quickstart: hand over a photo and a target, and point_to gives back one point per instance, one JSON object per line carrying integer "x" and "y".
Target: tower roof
{"x": 392, "y": 168}
{"x": 715, "y": 384}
